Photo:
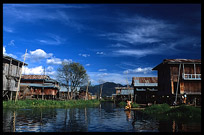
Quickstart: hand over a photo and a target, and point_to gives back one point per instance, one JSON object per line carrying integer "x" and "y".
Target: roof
{"x": 10, "y": 58}
{"x": 182, "y": 60}
{"x": 178, "y": 61}
{"x": 145, "y": 79}
{"x": 124, "y": 88}
{"x": 39, "y": 85}
{"x": 35, "y": 77}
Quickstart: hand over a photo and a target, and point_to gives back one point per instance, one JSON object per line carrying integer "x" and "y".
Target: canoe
{"x": 134, "y": 109}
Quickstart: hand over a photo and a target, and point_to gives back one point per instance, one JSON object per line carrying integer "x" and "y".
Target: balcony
{"x": 191, "y": 76}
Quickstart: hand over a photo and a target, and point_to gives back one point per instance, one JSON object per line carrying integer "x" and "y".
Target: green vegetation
{"x": 157, "y": 109}
{"x": 49, "y": 103}
{"x": 122, "y": 104}
{"x": 183, "y": 112}
{"x": 134, "y": 105}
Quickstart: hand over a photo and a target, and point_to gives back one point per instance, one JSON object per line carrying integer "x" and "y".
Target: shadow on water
{"x": 104, "y": 118}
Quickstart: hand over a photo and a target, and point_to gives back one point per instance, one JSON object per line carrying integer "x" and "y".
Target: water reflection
{"x": 104, "y": 118}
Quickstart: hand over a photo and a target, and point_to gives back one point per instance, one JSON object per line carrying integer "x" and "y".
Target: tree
{"x": 73, "y": 74}
{"x": 64, "y": 76}
{"x": 78, "y": 76}
{"x": 101, "y": 87}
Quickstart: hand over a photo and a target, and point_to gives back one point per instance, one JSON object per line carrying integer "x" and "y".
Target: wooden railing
{"x": 191, "y": 76}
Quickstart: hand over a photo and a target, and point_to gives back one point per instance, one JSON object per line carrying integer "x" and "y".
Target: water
{"x": 105, "y": 118}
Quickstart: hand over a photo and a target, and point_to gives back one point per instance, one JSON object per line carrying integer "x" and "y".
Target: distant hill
{"x": 108, "y": 88}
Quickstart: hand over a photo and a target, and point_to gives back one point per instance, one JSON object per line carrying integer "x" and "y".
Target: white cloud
{"x": 7, "y": 29}
{"x": 57, "y": 61}
{"x": 39, "y": 70}
{"x": 138, "y": 70}
{"x": 11, "y": 43}
{"x": 84, "y": 55}
{"x": 33, "y": 71}
{"x": 135, "y": 52}
{"x": 38, "y": 55}
{"x": 9, "y": 54}
{"x": 119, "y": 45}
{"x": 52, "y": 39}
{"x": 54, "y": 61}
{"x": 87, "y": 65}
{"x": 100, "y": 53}
{"x": 102, "y": 70}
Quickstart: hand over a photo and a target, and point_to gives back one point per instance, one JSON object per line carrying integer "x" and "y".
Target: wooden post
{"x": 87, "y": 88}
{"x": 177, "y": 83}
{"x": 20, "y": 78}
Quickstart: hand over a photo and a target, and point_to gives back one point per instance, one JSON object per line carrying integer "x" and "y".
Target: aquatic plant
{"x": 157, "y": 109}
{"x": 135, "y": 105}
{"x": 49, "y": 103}
{"x": 122, "y": 104}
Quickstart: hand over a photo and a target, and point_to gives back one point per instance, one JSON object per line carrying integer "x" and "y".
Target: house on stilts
{"x": 178, "y": 77}
{"x": 11, "y": 75}
{"x": 145, "y": 89}
{"x": 39, "y": 86}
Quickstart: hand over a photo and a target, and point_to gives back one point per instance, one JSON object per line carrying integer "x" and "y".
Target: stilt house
{"x": 177, "y": 77}
{"x": 39, "y": 86}
{"x": 123, "y": 93}
{"x": 11, "y": 74}
{"x": 145, "y": 89}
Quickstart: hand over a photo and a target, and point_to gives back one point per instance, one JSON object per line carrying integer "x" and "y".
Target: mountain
{"x": 108, "y": 88}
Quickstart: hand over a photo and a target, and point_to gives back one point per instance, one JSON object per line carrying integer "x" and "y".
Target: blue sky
{"x": 114, "y": 42}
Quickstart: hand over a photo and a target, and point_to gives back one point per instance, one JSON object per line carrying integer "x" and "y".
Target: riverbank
{"x": 49, "y": 103}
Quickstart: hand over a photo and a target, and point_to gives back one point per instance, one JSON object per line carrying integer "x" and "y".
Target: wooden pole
{"x": 87, "y": 88}
{"x": 20, "y": 77}
{"x": 177, "y": 84}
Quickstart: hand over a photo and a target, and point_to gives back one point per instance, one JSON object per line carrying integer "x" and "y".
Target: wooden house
{"x": 11, "y": 74}
{"x": 123, "y": 94}
{"x": 82, "y": 95}
{"x": 145, "y": 89}
{"x": 177, "y": 77}
{"x": 39, "y": 86}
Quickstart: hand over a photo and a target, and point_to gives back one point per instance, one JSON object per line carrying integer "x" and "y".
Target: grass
{"x": 133, "y": 105}
{"x": 49, "y": 103}
{"x": 182, "y": 112}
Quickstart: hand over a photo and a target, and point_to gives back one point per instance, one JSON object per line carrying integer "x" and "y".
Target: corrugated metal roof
{"x": 145, "y": 80}
{"x": 177, "y": 61}
{"x": 124, "y": 88}
{"x": 9, "y": 58}
{"x": 35, "y": 77}
{"x": 182, "y": 60}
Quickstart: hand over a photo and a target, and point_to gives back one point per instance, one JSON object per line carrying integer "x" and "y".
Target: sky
{"x": 114, "y": 42}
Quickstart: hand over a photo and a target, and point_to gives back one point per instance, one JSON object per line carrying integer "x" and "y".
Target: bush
{"x": 184, "y": 111}
{"x": 134, "y": 105}
{"x": 157, "y": 109}
{"x": 122, "y": 104}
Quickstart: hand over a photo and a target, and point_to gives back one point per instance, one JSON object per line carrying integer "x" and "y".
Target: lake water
{"x": 104, "y": 118}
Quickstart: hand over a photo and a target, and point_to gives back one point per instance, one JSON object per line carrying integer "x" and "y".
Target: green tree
{"x": 74, "y": 74}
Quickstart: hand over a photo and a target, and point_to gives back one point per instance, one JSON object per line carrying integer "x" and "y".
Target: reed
{"x": 49, "y": 103}
{"x": 183, "y": 112}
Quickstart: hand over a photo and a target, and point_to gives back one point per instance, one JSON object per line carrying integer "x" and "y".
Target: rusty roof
{"x": 145, "y": 79}
{"x": 182, "y": 60}
{"x": 10, "y": 58}
{"x": 177, "y": 61}
{"x": 35, "y": 77}
{"x": 124, "y": 88}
